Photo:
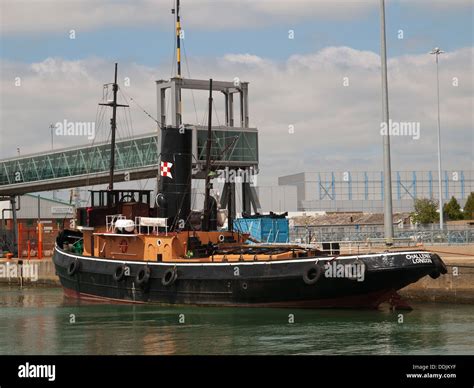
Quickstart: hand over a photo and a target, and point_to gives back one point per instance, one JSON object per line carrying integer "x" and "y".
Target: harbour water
{"x": 42, "y": 321}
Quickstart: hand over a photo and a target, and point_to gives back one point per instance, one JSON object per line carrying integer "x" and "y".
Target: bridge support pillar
{"x": 246, "y": 198}
{"x": 228, "y": 201}
{"x": 14, "y": 225}
{"x": 249, "y": 195}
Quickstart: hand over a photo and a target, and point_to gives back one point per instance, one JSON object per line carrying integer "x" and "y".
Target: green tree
{"x": 469, "y": 207}
{"x": 425, "y": 211}
{"x": 452, "y": 210}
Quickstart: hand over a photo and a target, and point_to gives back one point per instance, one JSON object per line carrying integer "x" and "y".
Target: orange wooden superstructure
{"x": 172, "y": 247}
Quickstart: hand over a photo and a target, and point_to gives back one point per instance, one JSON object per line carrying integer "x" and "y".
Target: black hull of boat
{"x": 258, "y": 284}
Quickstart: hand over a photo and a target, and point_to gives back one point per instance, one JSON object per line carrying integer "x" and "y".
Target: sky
{"x": 324, "y": 83}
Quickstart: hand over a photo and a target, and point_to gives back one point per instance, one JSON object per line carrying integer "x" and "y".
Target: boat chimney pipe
{"x": 174, "y": 197}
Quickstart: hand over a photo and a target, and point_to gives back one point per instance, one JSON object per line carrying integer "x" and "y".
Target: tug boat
{"x": 130, "y": 248}
{"x": 126, "y": 250}
{"x": 136, "y": 260}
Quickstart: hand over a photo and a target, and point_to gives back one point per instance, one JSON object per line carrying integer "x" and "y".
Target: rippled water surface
{"x": 42, "y": 321}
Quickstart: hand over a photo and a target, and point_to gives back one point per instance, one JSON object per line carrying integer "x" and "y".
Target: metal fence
{"x": 28, "y": 241}
{"x": 314, "y": 234}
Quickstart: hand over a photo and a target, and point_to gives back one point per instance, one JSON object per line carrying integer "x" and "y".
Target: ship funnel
{"x": 174, "y": 188}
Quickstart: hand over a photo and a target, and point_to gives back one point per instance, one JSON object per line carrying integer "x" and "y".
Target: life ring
{"x": 123, "y": 246}
{"x": 312, "y": 274}
{"x": 143, "y": 276}
{"x": 169, "y": 277}
{"x": 119, "y": 273}
{"x": 73, "y": 267}
{"x": 221, "y": 238}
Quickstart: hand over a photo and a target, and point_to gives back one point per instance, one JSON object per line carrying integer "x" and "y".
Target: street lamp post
{"x": 52, "y": 127}
{"x": 436, "y": 51}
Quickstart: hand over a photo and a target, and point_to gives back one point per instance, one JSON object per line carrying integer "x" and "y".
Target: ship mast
{"x": 178, "y": 39}
{"x": 208, "y": 163}
{"x": 178, "y": 56}
{"x": 113, "y": 128}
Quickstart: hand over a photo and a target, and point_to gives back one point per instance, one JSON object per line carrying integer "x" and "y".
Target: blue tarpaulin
{"x": 265, "y": 229}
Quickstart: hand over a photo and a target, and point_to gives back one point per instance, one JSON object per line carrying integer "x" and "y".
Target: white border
{"x": 234, "y": 263}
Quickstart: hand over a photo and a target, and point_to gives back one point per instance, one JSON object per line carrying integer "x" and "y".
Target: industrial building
{"x": 344, "y": 191}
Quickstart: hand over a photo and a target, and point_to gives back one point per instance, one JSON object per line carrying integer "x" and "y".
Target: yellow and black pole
{"x": 178, "y": 60}
{"x": 178, "y": 38}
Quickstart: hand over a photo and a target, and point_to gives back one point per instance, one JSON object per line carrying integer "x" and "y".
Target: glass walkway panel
{"x": 135, "y": 158}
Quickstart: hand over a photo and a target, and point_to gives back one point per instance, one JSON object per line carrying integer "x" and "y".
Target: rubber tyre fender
{"x": 169, "y": 277}
{"x": 73, "y": 267}
{"x": 143, "y": 276}
{"x": 440, "y": 265}
{"x": 312, "y": 274}
{"x": 119, "y": 273}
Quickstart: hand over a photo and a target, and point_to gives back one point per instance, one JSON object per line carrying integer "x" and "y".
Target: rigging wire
{"x": 129, "y": 98}
{"x": 215, "y": 112}
{"x": 189, "y": 76}
{"x": 99, "y": 121}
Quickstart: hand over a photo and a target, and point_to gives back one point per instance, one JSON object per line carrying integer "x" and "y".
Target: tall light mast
{"x": 387, "y": 168}
{"x": 436, "y": 51}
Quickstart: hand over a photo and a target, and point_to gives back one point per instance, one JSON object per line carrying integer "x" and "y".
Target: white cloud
{"x": 20, "y": 16}
{"x": 63, "y": 15}
{"x": 55, "y": 66}
{"x": 244, "y": 59}
{"x": 342, "y": 57}
{"x": 60, "y": 16}
{"x": 336, "y": 126}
